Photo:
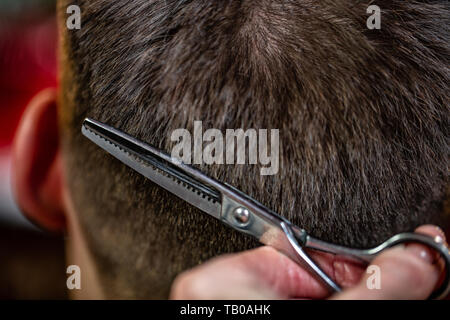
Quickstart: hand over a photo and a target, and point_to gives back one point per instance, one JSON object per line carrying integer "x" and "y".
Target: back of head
{"x": 362, "y": 114}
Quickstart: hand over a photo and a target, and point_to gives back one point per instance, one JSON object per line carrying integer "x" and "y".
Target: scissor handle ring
{"x": 367, "y": 255}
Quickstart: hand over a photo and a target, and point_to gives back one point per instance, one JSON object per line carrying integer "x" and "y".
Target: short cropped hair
{"x": 363, "y": 117}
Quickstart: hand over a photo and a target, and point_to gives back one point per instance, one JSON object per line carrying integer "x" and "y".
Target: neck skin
{"x": 77, "y": 253}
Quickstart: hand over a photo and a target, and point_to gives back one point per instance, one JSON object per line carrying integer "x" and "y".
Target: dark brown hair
{"x": 363, "y": 118}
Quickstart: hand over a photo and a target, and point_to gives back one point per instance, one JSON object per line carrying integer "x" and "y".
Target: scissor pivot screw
{"x": 241, "y": 215}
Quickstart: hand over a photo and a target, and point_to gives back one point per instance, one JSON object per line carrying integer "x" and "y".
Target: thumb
{"x": 405, "y": 272}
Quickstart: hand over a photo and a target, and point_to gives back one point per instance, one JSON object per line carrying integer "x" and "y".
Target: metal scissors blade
{"x": 188, "y": 183}
{"x": 154, "y": 165}
{"x": 238, "y": 210}
{"x": 219, "y": 200}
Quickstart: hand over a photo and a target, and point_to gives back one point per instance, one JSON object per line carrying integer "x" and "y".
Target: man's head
{"x": 362, "y": 114}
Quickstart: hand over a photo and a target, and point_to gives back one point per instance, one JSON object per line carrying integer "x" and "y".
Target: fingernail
{"x": 421, "y": 252}
{"x": 438, "y": 239}
{"x": 441, "y": 235}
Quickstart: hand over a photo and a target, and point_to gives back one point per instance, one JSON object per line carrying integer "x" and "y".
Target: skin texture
{"x": 363, "y": 119}
{"x": 407, "y": 272}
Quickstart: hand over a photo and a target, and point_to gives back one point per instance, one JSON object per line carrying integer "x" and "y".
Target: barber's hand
{"x": 407, "y": 272}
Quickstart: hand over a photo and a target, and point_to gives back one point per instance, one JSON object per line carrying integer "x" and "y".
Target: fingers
{"x": 406, "y": 272}
{"x": 263, "y": 273}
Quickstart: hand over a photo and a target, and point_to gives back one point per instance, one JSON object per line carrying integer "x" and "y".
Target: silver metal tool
{"x": 237, "y": 209}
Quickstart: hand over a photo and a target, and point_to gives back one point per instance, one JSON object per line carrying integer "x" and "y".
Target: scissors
{"x": 241, "y": 212}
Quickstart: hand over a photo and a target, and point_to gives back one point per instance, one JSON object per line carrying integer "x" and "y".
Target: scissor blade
{"x": 154, "y": 165}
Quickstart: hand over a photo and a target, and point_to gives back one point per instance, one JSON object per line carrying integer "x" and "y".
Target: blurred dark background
{"x": 32, "y": 262}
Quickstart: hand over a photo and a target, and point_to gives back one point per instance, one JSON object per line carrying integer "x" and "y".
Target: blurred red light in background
{"x": 28, "y": 64}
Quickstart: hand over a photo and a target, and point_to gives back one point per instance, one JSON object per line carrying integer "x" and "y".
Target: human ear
{"x": 37, "y": 171}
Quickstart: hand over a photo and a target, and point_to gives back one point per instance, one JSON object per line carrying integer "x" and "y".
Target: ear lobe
{"x": 37, "y": 171}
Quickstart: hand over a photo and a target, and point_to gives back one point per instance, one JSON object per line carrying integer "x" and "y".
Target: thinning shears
{"x": 238, "y": 210}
